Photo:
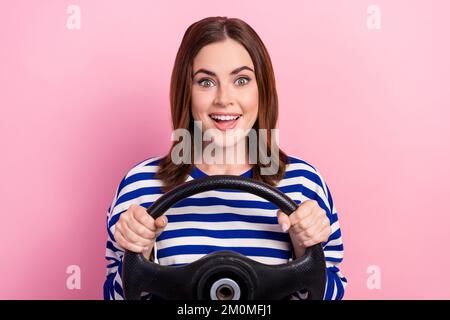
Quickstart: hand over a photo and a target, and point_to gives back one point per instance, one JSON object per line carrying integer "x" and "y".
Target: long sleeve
{"x": 334, "y": 247}
{"x": 112, "y": 288}
{"x": 141, "y": 187}
{"x": 314, "y": 187}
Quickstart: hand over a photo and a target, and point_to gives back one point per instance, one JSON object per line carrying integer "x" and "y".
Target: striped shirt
{"x": 223, "y": 220}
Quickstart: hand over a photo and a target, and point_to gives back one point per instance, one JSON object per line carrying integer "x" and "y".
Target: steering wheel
{"x": 225, "y": 274}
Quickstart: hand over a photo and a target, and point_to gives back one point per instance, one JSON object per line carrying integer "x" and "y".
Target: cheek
{"x": 249, "y": 101}
{"x": 200, "y": 103}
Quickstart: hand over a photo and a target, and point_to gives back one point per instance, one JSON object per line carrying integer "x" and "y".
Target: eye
{"x": 205, "y": 80}
{"x": 242, "y": 83}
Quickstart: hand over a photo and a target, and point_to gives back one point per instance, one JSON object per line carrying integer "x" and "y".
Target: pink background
{"x": 368, "y": 108}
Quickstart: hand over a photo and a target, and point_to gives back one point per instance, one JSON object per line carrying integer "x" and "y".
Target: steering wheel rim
{"x": 138, "y": 272}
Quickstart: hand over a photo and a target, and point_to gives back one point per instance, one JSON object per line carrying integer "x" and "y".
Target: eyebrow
{"x": 237, "y": 70}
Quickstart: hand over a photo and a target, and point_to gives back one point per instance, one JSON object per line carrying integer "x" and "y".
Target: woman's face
{"x": 224, "y": 91}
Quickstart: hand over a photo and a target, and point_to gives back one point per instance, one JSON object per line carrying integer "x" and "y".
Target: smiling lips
{"x": 224, "y": 121}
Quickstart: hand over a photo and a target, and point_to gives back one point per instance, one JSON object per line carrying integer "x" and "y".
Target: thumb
{"x": 283, "y": 220}
{"x": 161, "y": 222}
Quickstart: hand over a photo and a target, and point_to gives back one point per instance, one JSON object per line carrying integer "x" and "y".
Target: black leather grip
{"x": 265, "y": 191}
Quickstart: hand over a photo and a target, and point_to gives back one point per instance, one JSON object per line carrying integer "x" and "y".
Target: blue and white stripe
{"x": 223, "y": 220}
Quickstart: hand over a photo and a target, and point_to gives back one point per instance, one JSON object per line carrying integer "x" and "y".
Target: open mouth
{"x": 224, "y": 117}
{"x": 224, "y": 121}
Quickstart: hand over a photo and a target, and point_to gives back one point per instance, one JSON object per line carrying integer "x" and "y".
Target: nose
{"x": 224, "y": 97}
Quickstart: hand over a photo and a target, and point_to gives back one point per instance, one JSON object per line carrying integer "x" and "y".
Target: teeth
{"x": 223, "y": 117}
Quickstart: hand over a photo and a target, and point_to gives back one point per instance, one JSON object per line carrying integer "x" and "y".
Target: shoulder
{"x": 298, "y": 167}
{"x": 143, "y": 170}
{"x": 138, "y": 176}
{"x": 307, "y": 177}
{"x": 148, "y": 165}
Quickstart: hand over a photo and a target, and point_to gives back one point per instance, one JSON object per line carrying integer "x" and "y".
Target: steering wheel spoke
{"x": 280, "y": 281}
{"x": 166, "y": 282}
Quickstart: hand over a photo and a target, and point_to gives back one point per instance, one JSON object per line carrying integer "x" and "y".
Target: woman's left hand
{"x": 308, "y": 225}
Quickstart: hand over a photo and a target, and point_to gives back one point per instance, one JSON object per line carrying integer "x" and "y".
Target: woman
{"x": 223, "y": 82}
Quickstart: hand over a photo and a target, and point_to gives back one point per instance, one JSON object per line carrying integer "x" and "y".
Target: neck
{"x": 231, "y": 166}
{"x": 230, "y": 169}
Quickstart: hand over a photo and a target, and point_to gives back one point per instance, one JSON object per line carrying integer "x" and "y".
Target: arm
{"x": 113, "y": 288}
{"x": 333, "y": 247}
{"x": 316, "y": 189}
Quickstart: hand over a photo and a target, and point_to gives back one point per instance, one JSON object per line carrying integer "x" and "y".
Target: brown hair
{"x": 198, "y": 35}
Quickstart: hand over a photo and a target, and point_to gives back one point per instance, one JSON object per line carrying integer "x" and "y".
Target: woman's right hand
{"x": 136, "y": 230}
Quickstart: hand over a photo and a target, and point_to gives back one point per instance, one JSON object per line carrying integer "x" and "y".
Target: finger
{"x": 308, "y": 213}
{"x": 311, "y": 204}
{"x": 140, "y": 214}
{"x": 161, "y": 222}
{"x": 147, "y": 253}
{"x": 283, "y": 220}
{"x": 311, "y": 233}
{"x": 326, "y": 227}
{"x": 322, "y": 223}
{"x": 158, "y": 232}
{"x": 140, "y": 229}
{"x": 135, "y": 238}
{"x": 321, "y": 237}
{"x": 304, "y": 209}
{"x": 305, "y": 223}
{"x": 127, "y": 245}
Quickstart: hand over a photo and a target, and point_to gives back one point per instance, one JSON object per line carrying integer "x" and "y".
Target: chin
{"x": 230, "y": 139}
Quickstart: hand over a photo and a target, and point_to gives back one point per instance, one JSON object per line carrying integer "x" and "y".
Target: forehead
{"x": 222, "y": 57}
